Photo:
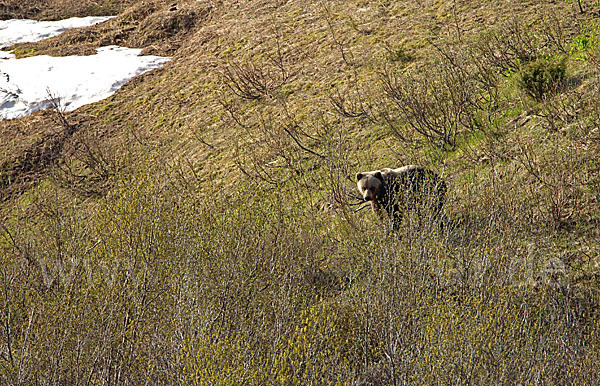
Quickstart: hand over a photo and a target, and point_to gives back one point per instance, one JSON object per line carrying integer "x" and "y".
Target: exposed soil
{"x": 60, "y": 9}
{"x": 181, "y": 105}
{"x": 158, "y": 27}
{"x": 37, "y": 152}
{"x": 31, "y": 145}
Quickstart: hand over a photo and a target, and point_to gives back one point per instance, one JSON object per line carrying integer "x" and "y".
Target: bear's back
{"x": 406, "y": 169}
{"x": 414, "y": 179}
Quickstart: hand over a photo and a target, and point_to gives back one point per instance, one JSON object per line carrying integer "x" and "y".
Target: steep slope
{"x": 198, "y": 226}
{"x": 59, "y": 9}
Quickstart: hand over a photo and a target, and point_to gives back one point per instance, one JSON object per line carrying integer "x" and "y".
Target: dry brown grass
{"x": 60, "y": 9}
{"x": 185, "y": 100}
{"x": 157, "y": 26}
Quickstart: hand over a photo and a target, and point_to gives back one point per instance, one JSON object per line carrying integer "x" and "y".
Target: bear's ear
{"x": 359, "y": 176}
{"x": 378, "y": 176}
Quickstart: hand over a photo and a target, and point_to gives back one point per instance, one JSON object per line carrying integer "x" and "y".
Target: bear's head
{"x": 370, "y": 185}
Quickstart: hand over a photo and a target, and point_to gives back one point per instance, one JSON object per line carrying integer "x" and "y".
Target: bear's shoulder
{"x": 387, "y": 171}
{"x": 405, "y": 169}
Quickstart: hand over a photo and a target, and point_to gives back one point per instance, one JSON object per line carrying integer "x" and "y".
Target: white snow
{"x": 22, "y": 30}
{"x": 32, "y": 83}
{"x": 75, "y": 80}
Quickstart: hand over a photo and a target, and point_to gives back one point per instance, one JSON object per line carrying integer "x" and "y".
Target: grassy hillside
{"x": 60, "y": 9}
{"x": 197, "y": 227}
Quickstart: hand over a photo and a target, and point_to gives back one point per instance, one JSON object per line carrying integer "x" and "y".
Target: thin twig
{"x": 361, "y": 208}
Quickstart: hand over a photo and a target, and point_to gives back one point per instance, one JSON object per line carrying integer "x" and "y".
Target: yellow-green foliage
{"x": 219, "y": 360}
{"x": 312, "y": 353}
{"x": 316, "y": 351}
{"x": 155, "y": 285}
{"x": 220, "y": 247}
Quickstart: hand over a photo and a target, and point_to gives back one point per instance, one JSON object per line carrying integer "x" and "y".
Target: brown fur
{"x": 392, "y": 191}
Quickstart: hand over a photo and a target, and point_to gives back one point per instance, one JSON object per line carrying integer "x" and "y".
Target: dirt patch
{"x": 168, "y": 27}
{"x": 67, "y": 147}
{"x": 31, "y": 150}
{"x": 60, "y": 9}
{"x": 157, "y": 27}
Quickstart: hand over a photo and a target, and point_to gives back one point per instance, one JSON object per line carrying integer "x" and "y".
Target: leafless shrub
{"x": 249, "y": 81}
{"x": 556, "y": 33}
{"x": 561, "y": 177}
{"x": 271, "y": 143}
{"x": 559, "y": 112}
{"x": 252, "y": 81}
{"x": 43, "y": 154}
{"x": 87, "y": 165}
{"x": 350, "y": 102}
{"x": 509, "y": 46}
{"x": 485, "y": 99}
{"x": 277, "y": 139}
{"x": 437, "y": 105}
{"x": 342, "y": 200}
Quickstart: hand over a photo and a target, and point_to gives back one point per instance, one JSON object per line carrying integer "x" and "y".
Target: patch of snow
{"x": 6, "y": 55}
{"x": 22, "y": 30}
{"x": 30, "y": 84}
{"x": 35, "y": 83}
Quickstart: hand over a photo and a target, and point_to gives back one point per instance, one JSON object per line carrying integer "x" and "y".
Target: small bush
{"x": 542, "y": 76}
{"x": 581, "y": 44}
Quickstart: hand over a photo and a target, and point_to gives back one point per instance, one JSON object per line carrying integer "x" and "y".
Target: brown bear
{"x": 392, "y": 191}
